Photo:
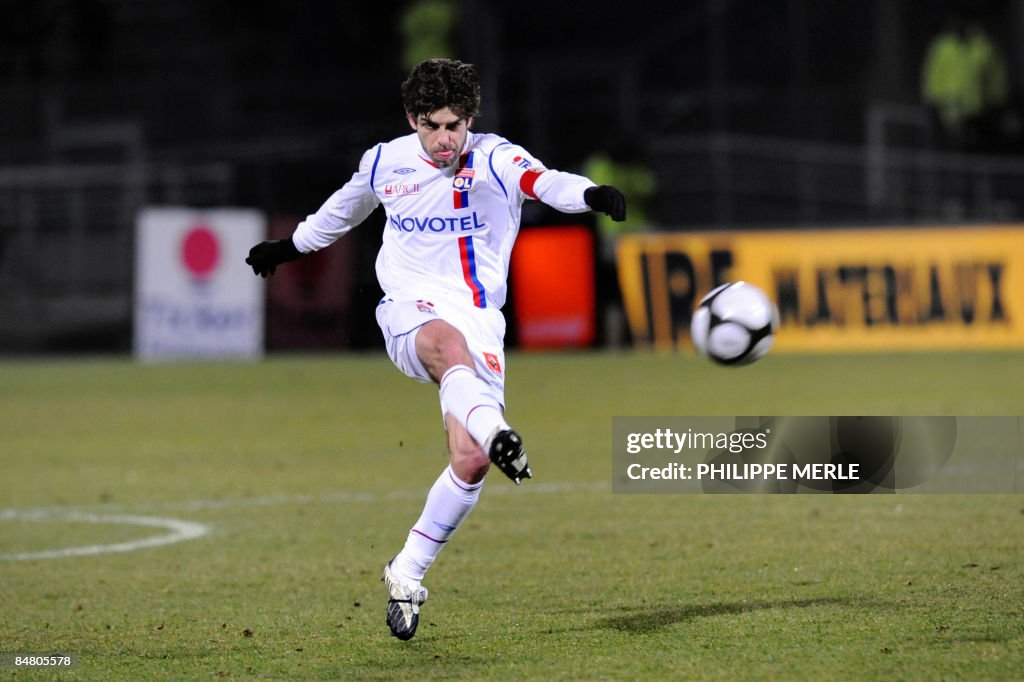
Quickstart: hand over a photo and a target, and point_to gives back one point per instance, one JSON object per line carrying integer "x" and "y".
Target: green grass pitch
{"x": 308, "y": 471}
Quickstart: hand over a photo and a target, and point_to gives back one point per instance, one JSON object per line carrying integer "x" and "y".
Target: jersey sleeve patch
{"x": 528, "y": 179}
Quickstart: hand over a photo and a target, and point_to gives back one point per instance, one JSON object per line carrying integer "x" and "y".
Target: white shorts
{"x": 483, "y": 329}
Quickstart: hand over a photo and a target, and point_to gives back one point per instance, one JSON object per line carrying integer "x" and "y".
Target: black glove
{"x": 608, "y": 200}
{"x": 266, "y": 256}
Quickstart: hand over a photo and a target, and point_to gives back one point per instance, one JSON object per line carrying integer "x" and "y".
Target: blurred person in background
{"x": 964, "y": 81}
{"x": 619, "y": 166}
{"x": 427, "y": 27}
{"x": 453, "y": 200}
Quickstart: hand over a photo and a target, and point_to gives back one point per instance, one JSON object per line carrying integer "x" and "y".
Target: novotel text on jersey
{"x": 468, "y": 223}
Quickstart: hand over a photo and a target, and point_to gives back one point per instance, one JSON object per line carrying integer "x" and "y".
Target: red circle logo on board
{"x": 200, "y": 251}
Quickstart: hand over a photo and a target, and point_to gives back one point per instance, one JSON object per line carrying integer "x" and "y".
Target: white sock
{"x": 448, "y": 503}
{"x": 467, "y": 398}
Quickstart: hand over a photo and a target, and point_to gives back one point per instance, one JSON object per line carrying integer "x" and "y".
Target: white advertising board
{"x": 195, "y": 298}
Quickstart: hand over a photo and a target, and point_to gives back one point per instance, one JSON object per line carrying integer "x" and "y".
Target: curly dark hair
{"x": 438, "y": 83}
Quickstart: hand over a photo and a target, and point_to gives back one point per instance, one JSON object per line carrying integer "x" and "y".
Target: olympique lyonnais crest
{"x": 425, "y": 307}
{"x": 463, "y": 179}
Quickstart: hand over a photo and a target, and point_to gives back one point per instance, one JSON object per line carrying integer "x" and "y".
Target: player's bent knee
{"x": 468, "y": 460}
{"x": 470, "y": 465}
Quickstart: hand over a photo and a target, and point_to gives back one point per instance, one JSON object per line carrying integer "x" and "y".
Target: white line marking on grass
{"x": 346, "y": 496}
{"x": 180, "y": 531}
{"x": 189, "y": 530}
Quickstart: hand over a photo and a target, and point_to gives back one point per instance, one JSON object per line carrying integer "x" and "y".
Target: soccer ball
{"x": 734, "y": 324}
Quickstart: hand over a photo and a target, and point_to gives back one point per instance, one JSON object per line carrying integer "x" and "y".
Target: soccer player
{"x": 453, "y": 200}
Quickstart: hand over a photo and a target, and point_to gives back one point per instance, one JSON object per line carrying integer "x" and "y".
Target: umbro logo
{"x": 405, "y": 171}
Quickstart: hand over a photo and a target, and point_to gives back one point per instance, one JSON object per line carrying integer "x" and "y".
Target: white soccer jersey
{"x": 449, "y": 231}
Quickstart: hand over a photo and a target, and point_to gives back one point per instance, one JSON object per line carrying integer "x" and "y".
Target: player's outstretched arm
{"x": 608, "y": 200}
{"x": 266, "y": 256}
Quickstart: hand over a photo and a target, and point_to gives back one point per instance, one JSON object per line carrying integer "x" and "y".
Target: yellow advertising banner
{"x": 865, "y": 289}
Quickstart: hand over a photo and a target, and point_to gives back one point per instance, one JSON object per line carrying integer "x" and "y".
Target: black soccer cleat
{"x": 403, "y": 610}
{"x": 505, "y": 449}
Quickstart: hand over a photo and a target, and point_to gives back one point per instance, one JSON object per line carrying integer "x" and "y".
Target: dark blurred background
{"x": 745, "y": 113}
